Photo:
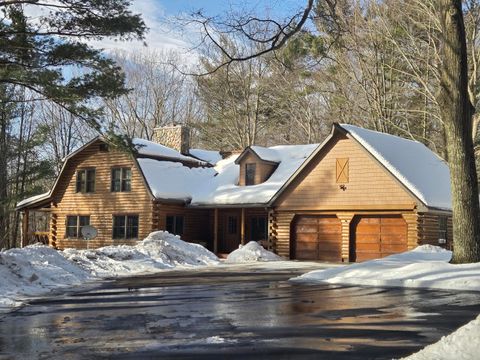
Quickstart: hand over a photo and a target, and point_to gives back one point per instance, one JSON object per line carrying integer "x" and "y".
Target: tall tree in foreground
{"x": 457, "y": 112}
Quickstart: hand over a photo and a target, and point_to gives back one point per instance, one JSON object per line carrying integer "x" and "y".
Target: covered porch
{"x": 233, "y": 227}
{"x": 37, "y": 221}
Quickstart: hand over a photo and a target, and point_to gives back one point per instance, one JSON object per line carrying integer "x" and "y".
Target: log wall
{"x": 102, "y": 204}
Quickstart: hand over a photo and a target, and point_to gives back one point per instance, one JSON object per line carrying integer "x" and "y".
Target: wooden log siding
{"x": 102, "y": 204}
{"x": 413, "y": 228}
{"x": 429, "y": 226}
{"x": 346, "y": 219}
{"x": 196, "y": 225}
{"x": 281, "y": 226}
{"x": 272, "y": 230}
{"x": 53, "y": 230}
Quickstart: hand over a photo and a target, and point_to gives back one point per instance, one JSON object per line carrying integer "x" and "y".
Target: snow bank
{"x": 35, "y": 270}
{"x": 38, "y": 269}
{"x": 162, "y": 244}
{"x": 159, "y": 250}
{"x": 461, "y": 344}
{"x": 424, "y": 267}
{"x": 253, "y": 251}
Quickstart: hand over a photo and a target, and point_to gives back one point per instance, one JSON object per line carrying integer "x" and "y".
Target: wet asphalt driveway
{"x": 229, "y": 313}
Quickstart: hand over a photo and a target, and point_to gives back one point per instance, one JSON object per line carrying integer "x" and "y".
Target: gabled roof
{"x": 170, "y": 175}
{"x": 146, "y": 150}
{"x": 38, "y": 199}
{"x": 423, "y": 173}
{"x": 417, "y": 167}
{"x": 269, "y": 155}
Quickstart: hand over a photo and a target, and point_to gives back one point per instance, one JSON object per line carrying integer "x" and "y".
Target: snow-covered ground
{"x": 424, "y": 267}
{"x": 160, "y": 250}
{"x": 463, "y": 344}
{"x": 37, "y": 269}
{"x": 250, "y": 252}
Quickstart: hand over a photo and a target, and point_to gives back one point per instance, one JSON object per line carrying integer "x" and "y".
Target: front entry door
{"x": 231, "y": 234}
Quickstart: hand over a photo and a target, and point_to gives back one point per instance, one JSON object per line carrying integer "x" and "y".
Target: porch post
{"x": 215, "y": 231}
{"x": 345, "y": 219}
{"x": 21, "y": 229}
{"x": 24, "y": 241}
{"x": 413, "y": 235}
{"x": 242, "y": 227}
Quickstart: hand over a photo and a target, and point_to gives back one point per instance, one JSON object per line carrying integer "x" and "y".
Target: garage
{"x": 374, "y": 237}
{"x": 317, "y": 238}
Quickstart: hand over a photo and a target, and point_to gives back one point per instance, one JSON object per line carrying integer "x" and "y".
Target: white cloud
{"x": 162, "y": 33}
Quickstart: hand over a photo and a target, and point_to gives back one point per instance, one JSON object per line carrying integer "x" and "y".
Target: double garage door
{"x": 371, "y": 237}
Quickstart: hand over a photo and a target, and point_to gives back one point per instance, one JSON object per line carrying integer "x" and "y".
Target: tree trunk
{"x": 457, "y": 111}
{"x": 4, "y": 213}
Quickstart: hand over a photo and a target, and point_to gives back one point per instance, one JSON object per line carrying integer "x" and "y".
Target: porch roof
{"x": 34, "y": 201}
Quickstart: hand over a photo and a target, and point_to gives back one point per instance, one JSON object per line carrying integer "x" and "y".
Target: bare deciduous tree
{"x": 159, "y": 94}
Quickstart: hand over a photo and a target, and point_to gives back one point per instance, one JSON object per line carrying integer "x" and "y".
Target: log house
{"x": 357, "y": 196}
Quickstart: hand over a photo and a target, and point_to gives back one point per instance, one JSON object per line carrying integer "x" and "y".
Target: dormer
{"x": 257, "y": 164}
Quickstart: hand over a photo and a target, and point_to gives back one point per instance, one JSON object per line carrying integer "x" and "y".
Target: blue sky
{"x": 214, "y": 7}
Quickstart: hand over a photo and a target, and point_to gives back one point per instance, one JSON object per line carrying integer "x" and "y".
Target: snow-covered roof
{"x": 210, "y": 156}
{"x": 223, "y": 189}
{"x": 267, "y": 154}
{"x": 422, "y": 172}
{"x": 153, "y": 149}
{"x": 418, "y": 168}
{"x": 33, "y": 199}
{"x": 218, "y": 185}
{"x": 172, "y": 180}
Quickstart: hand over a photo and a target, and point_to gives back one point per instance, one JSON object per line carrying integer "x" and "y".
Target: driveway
{"x": 232, "y": 312}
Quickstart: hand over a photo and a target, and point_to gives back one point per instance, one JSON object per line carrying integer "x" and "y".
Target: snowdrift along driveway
{"x": 38, "y": 269}
{"x": 426, "y": 267}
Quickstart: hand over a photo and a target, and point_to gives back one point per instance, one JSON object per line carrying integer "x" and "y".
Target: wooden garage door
{"x": 377, "y": 236}
{"x": 318, "y": 238}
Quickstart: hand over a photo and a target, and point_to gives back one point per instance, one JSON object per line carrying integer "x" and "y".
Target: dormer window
{"x": 250, "y": 169}
{"x": 85, "y": 181}
{"x": 256, "y": 164}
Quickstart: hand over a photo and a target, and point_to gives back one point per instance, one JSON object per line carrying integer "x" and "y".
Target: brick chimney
{"x": 174, "y": 136}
